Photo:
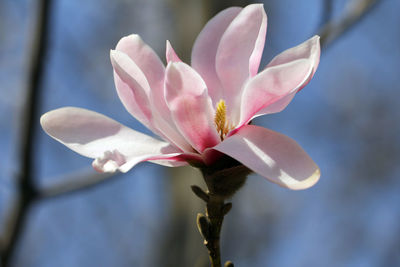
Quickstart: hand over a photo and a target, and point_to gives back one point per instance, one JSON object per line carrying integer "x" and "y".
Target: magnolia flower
{"x": 202, "y": 111}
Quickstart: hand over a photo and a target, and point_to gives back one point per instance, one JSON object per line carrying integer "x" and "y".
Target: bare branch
{"x": 25, "y": 184}
{"x": 326, "y": 12}
{"x": 355, "y": 11}
{"x": 75, "y": 182}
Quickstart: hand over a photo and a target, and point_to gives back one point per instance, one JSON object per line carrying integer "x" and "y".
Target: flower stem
{"x": 215, "y": 218}
{"x": 223, "y": 180}
{"x": 210, "y": 224}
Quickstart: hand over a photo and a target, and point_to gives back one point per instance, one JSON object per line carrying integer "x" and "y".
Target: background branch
{"x": 25, "y": 183}
{"x": 355, "y": 11}
{"x": 76, "y": 182}
{"x": 326, "y": 12}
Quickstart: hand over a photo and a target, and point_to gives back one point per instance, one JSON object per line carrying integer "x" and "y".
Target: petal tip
{"x": 170, "y": 53}
{"x": 315, "y": 40}
{"x": 258, "y": 5}
{"x": 115, "y": 55}
{"x": 48, "y": 117}
{"x": 43, "y": 120}
{"x": 307, "y": 183}
{"x": 133, "y": 36}
{"x": 112, "y": 54}
{"x": 127, "y": 40}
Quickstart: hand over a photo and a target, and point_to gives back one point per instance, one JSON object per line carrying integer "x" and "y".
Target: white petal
{"x": 112, "y": 145}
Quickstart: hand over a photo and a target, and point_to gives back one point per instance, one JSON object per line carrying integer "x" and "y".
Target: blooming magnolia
{"x": 202, "y": 110}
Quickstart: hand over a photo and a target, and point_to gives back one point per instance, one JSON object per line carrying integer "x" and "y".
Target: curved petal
{"x": 153, "y": 69}
{"x": 239, "y": 53}
{"x": 145, "y": 58}
{"x": 166, "y": 159}
{"x": 205, "y": 50}
{"x": 276, "y": 106}
{"x": 112, "y": 145}
{"x": 170, "y": 54}
{"x": 170, "y": 132}
{"x": 190, "y": 105}
{"x": 309, "y": 50}
{"x": 180, "y": 160}
{"x": 132, "y": 87}
{"x": 272, "y": 155}
{"x": 271, "y": 85}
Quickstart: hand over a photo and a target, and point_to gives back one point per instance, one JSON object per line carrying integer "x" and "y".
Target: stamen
{"x": 221, "y": 122}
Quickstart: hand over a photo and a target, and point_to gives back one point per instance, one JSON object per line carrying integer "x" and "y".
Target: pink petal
{"x": 239, "y": 53}
{"x": 145, "y": 58}
{"x": 171, "y": 54}
{"x": 180, "y": 160}
{"x": 190, "y": 105}
{"x": 167, "y": 159}
{"x": 205, "y": 50}
{"x": 276, "y": 106}
{"x": 170, "y": 132}
{"x": 153, "y": 69}
{"x": 309, "y": 50}
{"x": 271, "y": 85}
{"x": 272, "y": 155}
{"x": 132, "y": 87}
{"x": 112, "y": 145}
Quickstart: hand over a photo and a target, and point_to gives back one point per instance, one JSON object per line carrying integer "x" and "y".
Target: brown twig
{"x": 25, "y": 184}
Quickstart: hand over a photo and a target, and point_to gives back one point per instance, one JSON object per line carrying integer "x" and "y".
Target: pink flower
{"x": 203, "y": 110}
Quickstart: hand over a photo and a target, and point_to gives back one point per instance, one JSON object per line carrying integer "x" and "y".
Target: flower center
{"x": 221, "y": 122}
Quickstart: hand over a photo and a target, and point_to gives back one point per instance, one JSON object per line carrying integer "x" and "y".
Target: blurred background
{"x": 56, "y": 211}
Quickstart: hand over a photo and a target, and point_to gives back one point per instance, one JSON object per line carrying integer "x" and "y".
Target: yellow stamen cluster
{"x": 221, "y": 122}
